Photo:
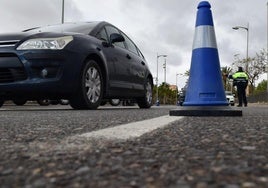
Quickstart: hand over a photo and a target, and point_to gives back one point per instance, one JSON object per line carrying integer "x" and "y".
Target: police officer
{"x": 241, "y": 82}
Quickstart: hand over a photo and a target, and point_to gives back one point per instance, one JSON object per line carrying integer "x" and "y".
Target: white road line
{"x": 132, "y": 130}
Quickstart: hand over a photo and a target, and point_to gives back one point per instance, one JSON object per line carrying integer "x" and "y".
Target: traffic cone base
{"x": 205, "y": 111}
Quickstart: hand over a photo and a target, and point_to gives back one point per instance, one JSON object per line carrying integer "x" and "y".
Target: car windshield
{"x": 83, "y": 28}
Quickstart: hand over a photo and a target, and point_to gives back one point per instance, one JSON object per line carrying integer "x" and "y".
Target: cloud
{"x": 27, "y": 13}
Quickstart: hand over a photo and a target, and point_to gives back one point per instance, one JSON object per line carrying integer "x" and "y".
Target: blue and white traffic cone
{"x": 205, "y": 87}
{"x": 205, "y": 95}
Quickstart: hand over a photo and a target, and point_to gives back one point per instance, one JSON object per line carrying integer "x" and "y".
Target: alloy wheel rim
{"x": 93, "y": 84}
{"x": 149, "y": 96}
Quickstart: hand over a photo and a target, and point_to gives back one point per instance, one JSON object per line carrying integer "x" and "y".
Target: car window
{"x": 102, "y": 35}
{"x": 130, "y": 45}
{"x": 110, "y": 30}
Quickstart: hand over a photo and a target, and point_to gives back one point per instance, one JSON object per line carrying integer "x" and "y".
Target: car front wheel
{"x": 90, "y": 91}
{"x": 146, "y": 101}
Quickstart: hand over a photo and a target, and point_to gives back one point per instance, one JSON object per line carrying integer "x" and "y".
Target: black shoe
{"x": 245, "y": 105}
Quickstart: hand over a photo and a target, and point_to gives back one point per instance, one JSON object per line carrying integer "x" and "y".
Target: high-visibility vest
{"x": 240, "y": 77}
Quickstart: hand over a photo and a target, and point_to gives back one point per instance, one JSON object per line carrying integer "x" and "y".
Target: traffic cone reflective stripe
{"x": 205, "y": 87}
{"x": 204, "y": 37}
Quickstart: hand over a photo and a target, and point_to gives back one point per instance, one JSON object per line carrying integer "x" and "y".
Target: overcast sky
{"x": 156, "y": 26}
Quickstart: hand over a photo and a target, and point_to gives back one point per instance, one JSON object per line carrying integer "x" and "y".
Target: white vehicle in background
{"x": 230, "y": 98}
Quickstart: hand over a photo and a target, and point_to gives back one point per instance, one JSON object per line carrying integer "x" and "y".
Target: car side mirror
{"x": 116, "y": 37}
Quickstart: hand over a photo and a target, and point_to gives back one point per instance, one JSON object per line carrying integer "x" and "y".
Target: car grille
{"x": 12, "y": 75}
{"x": 11, "y": 69}
{"x": 8, "y": 43}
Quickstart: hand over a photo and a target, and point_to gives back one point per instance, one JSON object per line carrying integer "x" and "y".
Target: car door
{"x": 117, "y": 63}
{"x": 136, "y": 65}
{"x": 125, "y": 67}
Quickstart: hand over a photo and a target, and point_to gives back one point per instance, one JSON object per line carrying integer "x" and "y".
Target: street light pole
{"x": 157, "y": 57}
{"x": 165, "y": 71}
{"x": 247, "y": 29}
{"x": 62, "y": 13}
{"x": 267, "y": 51}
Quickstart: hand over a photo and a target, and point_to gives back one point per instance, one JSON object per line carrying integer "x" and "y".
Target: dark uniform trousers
{"x": 241, "y": 92}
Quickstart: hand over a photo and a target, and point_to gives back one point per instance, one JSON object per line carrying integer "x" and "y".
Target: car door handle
{"x": 128, "y": 56}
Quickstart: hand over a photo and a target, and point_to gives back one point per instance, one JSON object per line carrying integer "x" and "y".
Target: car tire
{"x": 114, "y": 102}
{"x": 20, "y": 102}
{"x": 90, "y": 91}
{"x": 43, "y": 102}
{"x": 147, "y": 100}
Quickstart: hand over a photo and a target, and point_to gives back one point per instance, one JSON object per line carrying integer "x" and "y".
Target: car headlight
{"x": 45, "y": 43}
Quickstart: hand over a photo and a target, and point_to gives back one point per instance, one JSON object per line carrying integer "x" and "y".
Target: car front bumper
{"x": 38, "y": 73}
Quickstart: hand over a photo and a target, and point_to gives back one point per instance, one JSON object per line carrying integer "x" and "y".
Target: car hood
{"x": 13, "y": 36}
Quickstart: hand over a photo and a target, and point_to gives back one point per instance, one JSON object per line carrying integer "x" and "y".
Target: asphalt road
{"x": 34, "y": 122}
{"x": 38, "y": 149}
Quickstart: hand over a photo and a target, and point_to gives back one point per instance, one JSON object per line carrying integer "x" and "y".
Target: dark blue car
{"x": 85, "y": 63}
